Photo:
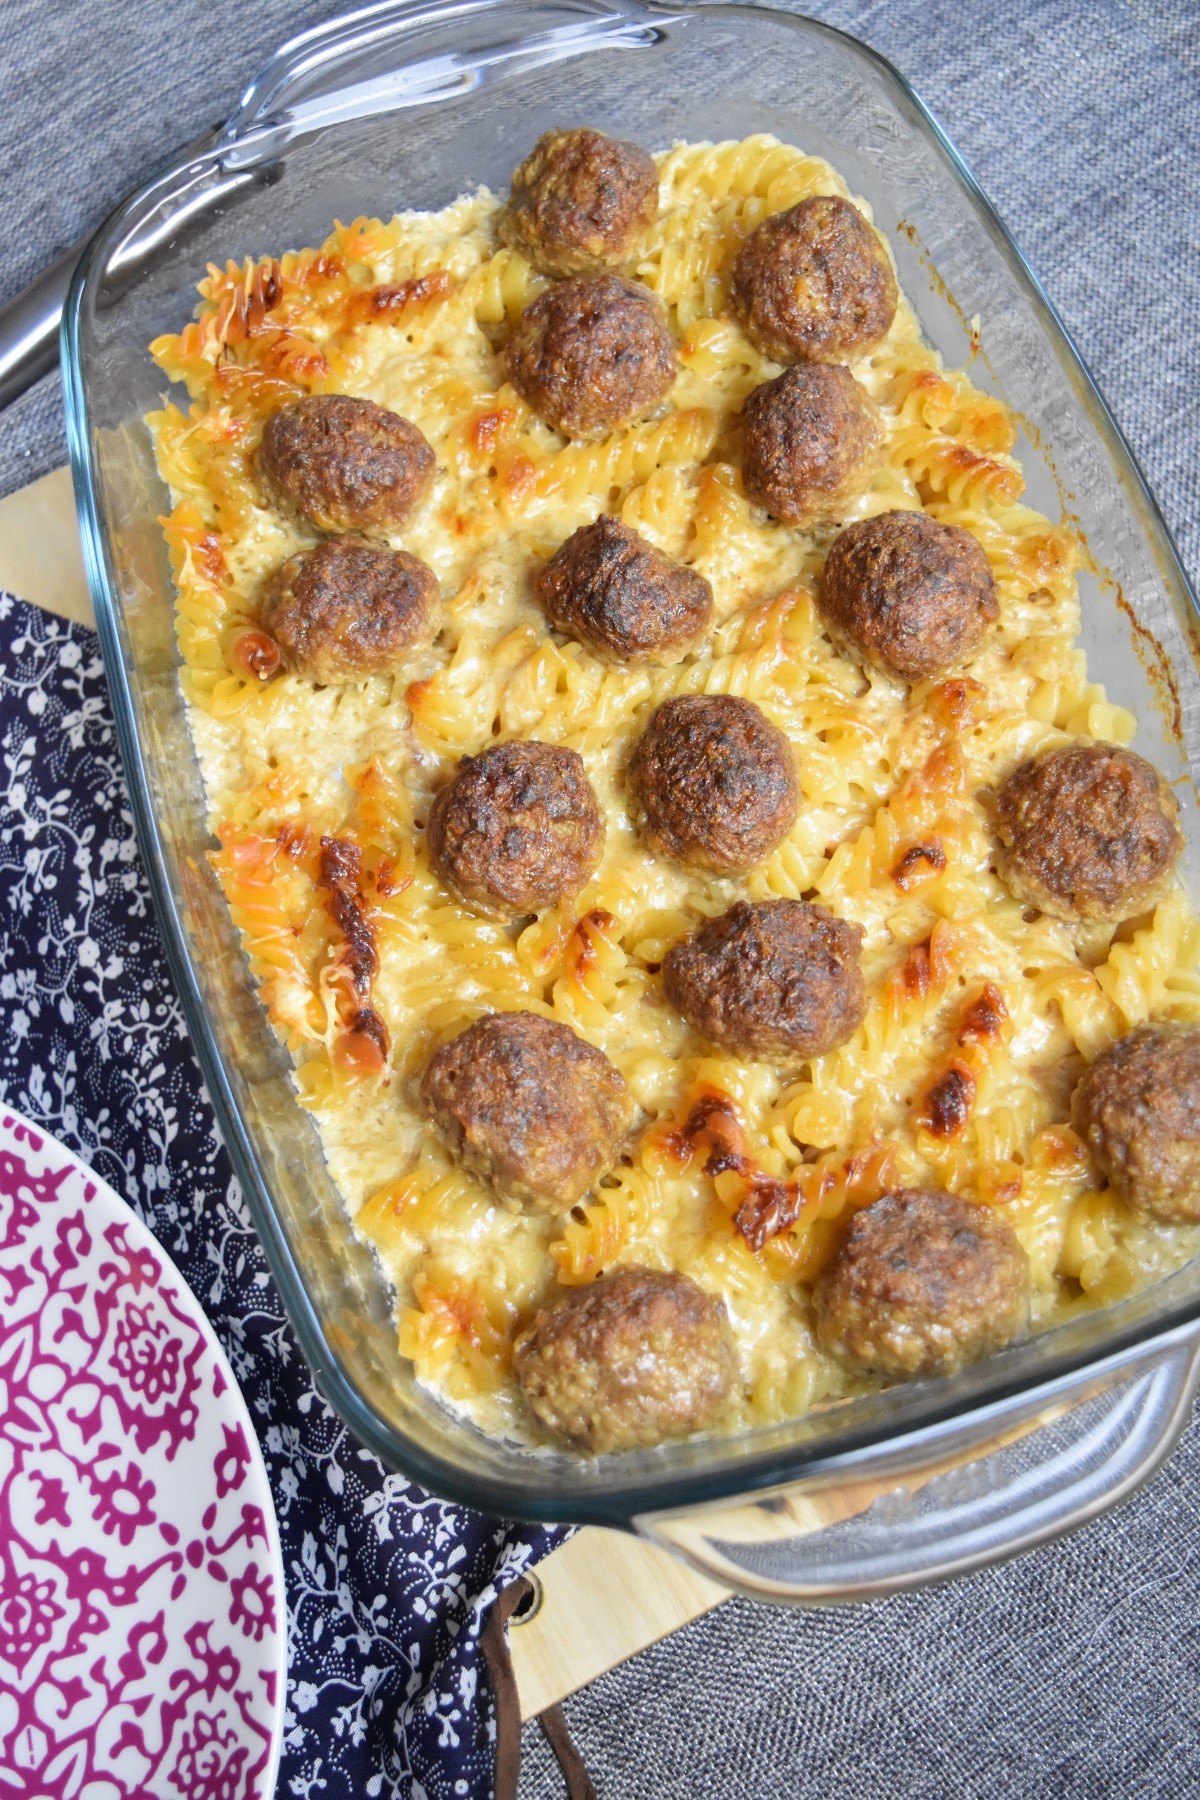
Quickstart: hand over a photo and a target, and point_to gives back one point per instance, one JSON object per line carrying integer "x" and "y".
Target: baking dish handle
{"x": 378, "y": 60}
{"x": 944, "y": 1507}
{"x": 407, "y": 53}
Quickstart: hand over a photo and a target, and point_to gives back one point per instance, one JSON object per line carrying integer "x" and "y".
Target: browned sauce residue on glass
{"x": 909, "y": 230}
{"x": 1157, "y": 664}
{"x": 919, "y": 863}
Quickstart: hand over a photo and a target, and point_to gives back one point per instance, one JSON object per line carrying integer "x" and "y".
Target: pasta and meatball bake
{"x": 728, "y": 947}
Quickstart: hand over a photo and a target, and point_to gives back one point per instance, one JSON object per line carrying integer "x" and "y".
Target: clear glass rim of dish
{"x": 943, "y": 1407}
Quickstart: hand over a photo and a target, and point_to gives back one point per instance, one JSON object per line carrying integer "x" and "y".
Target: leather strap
{"x": 579, "y": 1782}
{"x": 494, "y": 1643}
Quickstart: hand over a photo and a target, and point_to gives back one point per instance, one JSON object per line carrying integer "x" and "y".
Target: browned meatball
{"x": 924, "y": 1283}
{"x": 811, "y": 441}
{"x": 636, "y": 1357}
{"x": 713, "y": 783}
{"x": 613, "y": 591}
{"x": 909, "y": 595}
{"x": 779, "y": 978}
{"x": 580, "y": 201}
{"x": 346, "y": 610}
{"x": 1089, "y": 832}
{"x": 529, "y": 1108}
{"x": 1138, "y": 1110}
{"x": 814, "y": 284}
{"x": 516, "y": 829}
{"x": 592, "y": 354}
{"x": 341, "y": 464}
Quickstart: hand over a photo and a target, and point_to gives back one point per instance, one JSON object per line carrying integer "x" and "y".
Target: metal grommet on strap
{"x": 530, "y": 1604}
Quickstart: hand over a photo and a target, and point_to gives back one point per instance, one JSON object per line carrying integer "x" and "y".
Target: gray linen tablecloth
{"x": 1076, "y": 1671}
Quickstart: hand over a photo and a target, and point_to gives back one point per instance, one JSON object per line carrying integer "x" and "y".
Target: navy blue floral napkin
{"x": 387, "y": 1586}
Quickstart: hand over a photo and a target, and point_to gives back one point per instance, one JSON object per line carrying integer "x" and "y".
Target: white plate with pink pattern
{"x": 142, "y": 1646}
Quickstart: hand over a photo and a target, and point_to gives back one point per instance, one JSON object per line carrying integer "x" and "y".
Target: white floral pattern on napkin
{"x": 386, "y": 1585}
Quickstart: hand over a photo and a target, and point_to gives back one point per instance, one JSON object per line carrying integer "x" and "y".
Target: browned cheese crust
{"x": 340, "y": 464}
{"x": 811, "y": 439}
{"x": 592, "y": 354}
{"x": 713, "y": 783}
{"x": 814, "y": 284}
{"x": 1089, "y": 831}
{"x": 776, "y": 979}
{"x": 580, "y": 202}
{"x": 636, "y": 1357}
{"x": 516, "y": 829}
{"x": 528, "y": 1108}
{"x": 911, "y": 596}
{"x": 1138, "y": 1111}
{"x": 616, "y": 594}
{"x": 346, "y": 610}
{"x": 924, "y": 1283}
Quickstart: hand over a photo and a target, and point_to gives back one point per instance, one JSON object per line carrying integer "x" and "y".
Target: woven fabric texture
{"x": 1075, "y": 1671}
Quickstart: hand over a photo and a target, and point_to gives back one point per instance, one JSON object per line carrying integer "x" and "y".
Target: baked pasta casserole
{"x": 725, "y": 941}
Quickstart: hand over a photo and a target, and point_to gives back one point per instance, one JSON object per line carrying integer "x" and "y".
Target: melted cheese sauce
{"x": 414, "y": 314}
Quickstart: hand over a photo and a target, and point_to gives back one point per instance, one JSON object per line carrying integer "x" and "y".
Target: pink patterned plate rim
{"x": 142, "y": 1646}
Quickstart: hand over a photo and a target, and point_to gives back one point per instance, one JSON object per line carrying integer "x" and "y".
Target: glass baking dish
{"x": 406, "y": 106}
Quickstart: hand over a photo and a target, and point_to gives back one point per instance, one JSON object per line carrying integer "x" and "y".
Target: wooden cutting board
{"x": 40, "y": 557}
{"x": 604, "y": 1595}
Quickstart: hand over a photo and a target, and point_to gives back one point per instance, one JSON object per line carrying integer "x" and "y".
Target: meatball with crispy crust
{"x": 811, "y": 441}
{"x": 1089, "y": 831}
{"x": 516, "y": 829}
{"x": 633, "y": 1358}
{"x": 776, "y": 979}
{"x": 580, "y": 202}
{"x": 592, "y": 354}
{"x": 528, "y": 1108}
{"x": 340, "y": 464}
{"x": 924, "y": 1283}
{"x": 814, "y": 283}
{"x": 910, "y": 596}
{"x": 1138, "y": 1110}
{"x": 713, "y": 783}
{"x": 611, "y": 590}
{"x": 347, "y": 610}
